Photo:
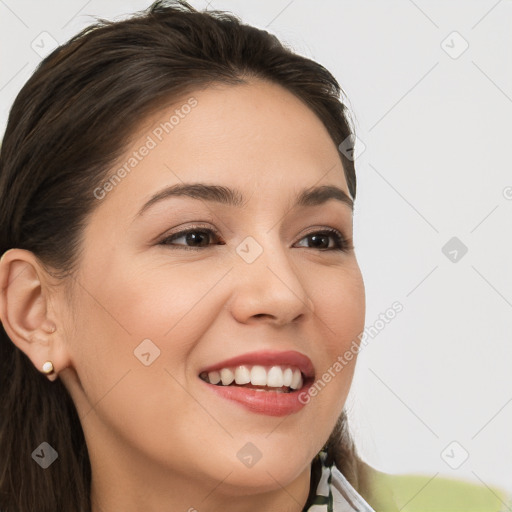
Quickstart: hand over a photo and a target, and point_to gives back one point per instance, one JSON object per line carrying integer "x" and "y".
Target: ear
{"x": 25, "y": 310}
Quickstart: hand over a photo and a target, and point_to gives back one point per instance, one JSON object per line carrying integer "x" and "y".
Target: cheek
{"x": 340, "y": 314}
{"x": 171, "y": 303}
{"x": 119, "y": 310}
{"x": 151, "y": 298}
{"x": 161, "y": 309}
{"x": 340, "y": 304}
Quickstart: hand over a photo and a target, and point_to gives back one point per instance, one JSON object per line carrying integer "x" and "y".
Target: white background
{"x": 436, "y": 165}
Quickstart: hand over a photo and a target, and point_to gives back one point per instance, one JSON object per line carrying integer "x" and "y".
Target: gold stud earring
{"x": 48, "y": 367}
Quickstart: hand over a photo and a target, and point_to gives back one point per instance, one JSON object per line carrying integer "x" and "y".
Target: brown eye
{"x": 320, "y": 240}
{"x": 194, "y": 238}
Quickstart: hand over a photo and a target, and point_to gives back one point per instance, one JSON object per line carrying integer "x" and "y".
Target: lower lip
{"x": 270, "y": 403}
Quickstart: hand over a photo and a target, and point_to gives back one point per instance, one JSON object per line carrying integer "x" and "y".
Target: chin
{"x": 257, "y": 481}
{"x": 269, "y": 473}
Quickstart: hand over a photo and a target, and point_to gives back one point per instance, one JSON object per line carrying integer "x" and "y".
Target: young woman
{"x": 180, "y": 299}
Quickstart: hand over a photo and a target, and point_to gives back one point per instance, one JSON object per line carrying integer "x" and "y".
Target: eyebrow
{"x": 312, "y": 196}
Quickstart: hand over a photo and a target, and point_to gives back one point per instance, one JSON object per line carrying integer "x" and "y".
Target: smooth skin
{"x": 158, "y": 438}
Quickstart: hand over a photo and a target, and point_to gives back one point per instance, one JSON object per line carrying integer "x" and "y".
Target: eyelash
{"x": 342, "y": 244}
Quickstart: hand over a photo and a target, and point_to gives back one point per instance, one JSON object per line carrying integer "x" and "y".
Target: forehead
{"x": 256, "y": 137}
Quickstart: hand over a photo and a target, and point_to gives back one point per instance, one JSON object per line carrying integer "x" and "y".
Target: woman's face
{"x": 153, "y": 308}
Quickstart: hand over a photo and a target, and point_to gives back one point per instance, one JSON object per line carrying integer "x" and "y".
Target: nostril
{"x": 260, "y": 315}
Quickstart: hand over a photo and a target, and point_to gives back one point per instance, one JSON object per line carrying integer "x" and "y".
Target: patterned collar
{"x": 334, "y": 492}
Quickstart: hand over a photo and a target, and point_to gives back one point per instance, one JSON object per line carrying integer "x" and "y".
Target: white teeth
{"x": 258, "y": 376}
{"x": 227, "y": 376}
{"x": 287, "y": 377}
{"x": 297, "y": 380}
{"x": 242, "y": 375}
{"x": 214, "y": 377}
{"x": 274, "y": 376}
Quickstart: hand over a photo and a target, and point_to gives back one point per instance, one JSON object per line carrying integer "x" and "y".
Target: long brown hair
{"x": 70, "y": 122}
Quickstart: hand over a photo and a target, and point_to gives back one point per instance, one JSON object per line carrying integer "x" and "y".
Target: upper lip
{"x": 268, "y": 358}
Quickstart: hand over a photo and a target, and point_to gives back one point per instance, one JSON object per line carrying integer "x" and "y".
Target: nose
{"x": 269, "y": 289}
